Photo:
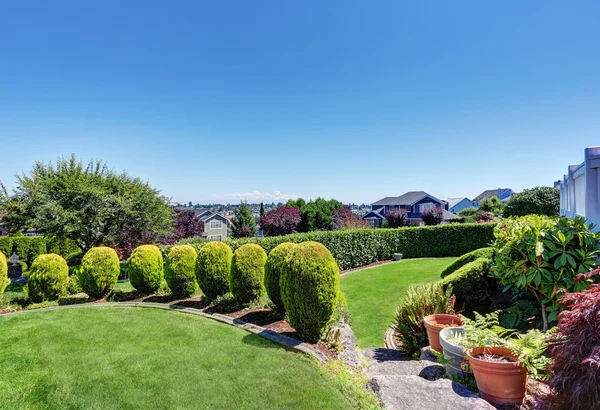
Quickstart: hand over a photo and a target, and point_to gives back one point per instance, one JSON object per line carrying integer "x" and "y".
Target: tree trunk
{"x": 544, "y": 317}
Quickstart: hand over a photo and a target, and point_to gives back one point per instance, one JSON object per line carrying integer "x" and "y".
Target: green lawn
{"x": 142, "y": 358}
{"x": 373, "y": 294}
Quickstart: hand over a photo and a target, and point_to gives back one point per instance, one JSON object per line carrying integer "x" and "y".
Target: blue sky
{"x": 213, "y": 101}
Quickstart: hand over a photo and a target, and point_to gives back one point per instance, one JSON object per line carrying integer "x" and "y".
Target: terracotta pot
{"x": 498, "y": 382}
{"x": 432, "y": 323}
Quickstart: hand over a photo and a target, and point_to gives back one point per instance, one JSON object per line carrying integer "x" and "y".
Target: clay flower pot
{"x": 435, "y": 323}
{"x": 453, "y": 352}
{"x": 498, "y": 382}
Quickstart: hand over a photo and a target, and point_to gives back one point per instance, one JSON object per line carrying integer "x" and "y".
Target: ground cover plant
{"x": 373, "y": 294}
{"x": 106, "y": 357}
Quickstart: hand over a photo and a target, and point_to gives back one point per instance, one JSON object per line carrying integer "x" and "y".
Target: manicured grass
{"x": 373, "y": 294}
{"x": 143, "y": 358}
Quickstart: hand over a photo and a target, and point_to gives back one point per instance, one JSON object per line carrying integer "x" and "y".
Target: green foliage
{"x": 180, "y": 271}
{"x": 73, "y": 299}
{"x": 518, "y": 314}
{"x": 538, "y": 200}
{"x": 73, "y": 286}
{"x": 315, "y": 215}
{"x": 89, "y": 204}
{"x": 248, "y": 272}
{"x": 145, "y": 268}
{"x": 99, "y": 271}
{"x": 62, "y": 247}
{"x": 276, "y": 262}
{"x": 472, "y": 285}
{"x": 544, "y": 254}
{"x": 418, "y": 302}
{"x": 359, "y": 247}
{"x": 466, "y": 258}
{"x": 492, "y": 204}
{"x": 48, "y": 277}
{"x": 244, "y": 224}
{"x": 4, "y": 280}
{"x": 213, "y": 269}
{"x": 6, "y": 245}
{"x": 310, "y": 289}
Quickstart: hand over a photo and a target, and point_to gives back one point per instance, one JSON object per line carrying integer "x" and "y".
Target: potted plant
{"x": 397, "y": 256}
{"x": 435, "y": 323}
{"x": 500, "y": 359}
{"x": 454, "y": 354}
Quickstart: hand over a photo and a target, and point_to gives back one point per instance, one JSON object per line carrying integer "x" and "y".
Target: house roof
{"x": 408, "y": 198}
{"x": 449, "y": 215}
{"x": 455, "y": 201}
{"x": 373, "y": 214}
{"x": 208, "y": 216}
{"x": 488, "y": 193}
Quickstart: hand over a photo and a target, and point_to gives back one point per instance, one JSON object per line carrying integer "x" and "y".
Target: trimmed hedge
{"x": 4, "y": 280}
{"x": 466, "y": 258}
{"x": 213, "y": 269}
{"x": 310, "y": 288}
{"x": 473, "y": 286}
{"x": 146, "y": 268}
{"x": 360, "y": 247}
{"x": 276, "y": 262}
{"x": 6, "y": 245}
{"x": 248, "y": 273}
{"x": 48, "y": 277}
{"x": 99, "y": 271}
{"x": 180, "y": 271}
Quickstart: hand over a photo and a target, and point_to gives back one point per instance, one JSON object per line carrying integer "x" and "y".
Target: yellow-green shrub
{"x": 310, "y": 286}
{"x": 248, "y": 272}
{"x": 4, "y": 281}
{"x": 180, "y": 274}
{"x": 99, "y": 271}
{"x": 146, "y": 268}
{"x": 48, "y": 277}
{"x": 276, "y": 261}
{"x": 213, "y": 269}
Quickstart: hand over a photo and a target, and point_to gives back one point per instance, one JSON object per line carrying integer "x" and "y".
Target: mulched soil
{"x": 496, "y": 358}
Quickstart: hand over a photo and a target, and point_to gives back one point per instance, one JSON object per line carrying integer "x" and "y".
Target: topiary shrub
{"x": 48, "y": 277}
{"x": 466, "y": 258}
{"x": 276, "y": 262}
{"x": 146, "y": 268}
{"x": 248, "y": 273}
{"x": 213, "y": 269}
{"x": 99, "y": 271}
{"x": 4, "y": 280}
{"x": 473, "y": 286}
{"x": 180, "y": 271}
{"x": 309, "y": 289}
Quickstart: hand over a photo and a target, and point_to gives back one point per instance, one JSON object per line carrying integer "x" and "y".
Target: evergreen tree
{"x": 262, "y": 209}
{"x": 244, "y": 224}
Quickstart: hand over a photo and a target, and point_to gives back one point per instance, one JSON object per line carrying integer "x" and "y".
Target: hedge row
{"x": 360, "y": 247}
{"x": 30, "y": 247}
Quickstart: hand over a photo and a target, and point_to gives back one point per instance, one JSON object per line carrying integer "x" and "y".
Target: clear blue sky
{"x": 348, "y": 99}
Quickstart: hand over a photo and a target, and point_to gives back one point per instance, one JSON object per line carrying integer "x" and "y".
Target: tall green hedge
{"x": 6, "y": 245}
{"x": 276, "y": 262}
{"x": 48, "y": 277}
{"x": 213, "y": 269}
{"x": 4, "y": 281}
{"x": 99, "y": 271}
{"x": 310, "y": 287}
{"x": 180, "y": 271}
{"x": 248, "y": 272}
{"x": 146, "y": 268}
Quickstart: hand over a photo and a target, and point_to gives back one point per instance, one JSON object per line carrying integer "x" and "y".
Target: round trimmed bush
{"x": 180, "y": 272}
{"x": 99, "y": 271}
{"x": 276, "y": 261}
{"x": 467, "y": 258}
{"x": 473, "y": 286}
{"x": 48, "y": 277}
{"x": 248, "y": 273}
{"x": 310, "y": 286}
{"x": 146, "y": 268}
{"x": 213, "y": 269}
{"x": 4, "y": 281}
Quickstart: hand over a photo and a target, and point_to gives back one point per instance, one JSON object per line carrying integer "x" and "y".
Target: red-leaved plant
{"x": 344, "y": 218}
{"x": 575, "y": 369}
{"x": 396, "y": 218}
{"x": 433, "y": 216}
{"x": 281, "y": 221}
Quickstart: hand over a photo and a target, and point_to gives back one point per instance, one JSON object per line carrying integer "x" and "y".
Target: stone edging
{"x": 389, "y": 339}
{"x": 285, "y": 341}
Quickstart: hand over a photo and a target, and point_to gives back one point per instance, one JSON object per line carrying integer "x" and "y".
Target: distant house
{"x": 456, "y": 205}
{"x": 502, "y": 194}
{"x": 215, "y": 225}
{"x": 413, "y": 202}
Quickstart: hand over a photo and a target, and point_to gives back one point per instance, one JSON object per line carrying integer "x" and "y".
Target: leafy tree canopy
{"x": 539, "y": 201}
{"x": 316, "y": 215}
{"x": 244, "y": 224}
{"x": 89, "y": 204}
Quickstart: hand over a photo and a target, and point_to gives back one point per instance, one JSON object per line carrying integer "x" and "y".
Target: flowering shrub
{"x": 575, "y": 369}
{"x": 485, "y": 217}
{"x": 433, "y": 216}
{"x": 396, "y": 218}
{"x": 344, "y": 218}
{"x": 280, "y": 221}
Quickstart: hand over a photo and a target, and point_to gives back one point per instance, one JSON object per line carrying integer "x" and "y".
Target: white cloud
{"x": 255, "y": 196}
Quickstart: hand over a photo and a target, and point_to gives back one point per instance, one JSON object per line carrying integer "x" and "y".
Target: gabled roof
{"x": 454, "y": 201}
{"x": 208, "y": 216}
{"x": 373, "y": 214}
{"x": 409, "y": 198}
{"x": 488, "y": 193}
{"x": 449, "y": 215}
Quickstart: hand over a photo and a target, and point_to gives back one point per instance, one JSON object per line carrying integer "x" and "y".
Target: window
{"x": 215, "y": 224}
{"x": 429, "y": 205}
{"x": 216, "y": 237}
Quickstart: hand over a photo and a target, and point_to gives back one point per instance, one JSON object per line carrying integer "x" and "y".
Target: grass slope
{"x": 132, "y": 358}
{"x": 373, "y": 294}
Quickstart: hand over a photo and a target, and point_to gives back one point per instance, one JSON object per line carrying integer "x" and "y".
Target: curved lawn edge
{"x": 285, "y": 341}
